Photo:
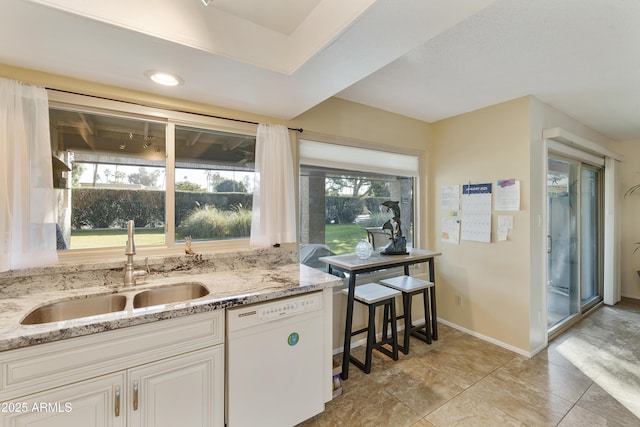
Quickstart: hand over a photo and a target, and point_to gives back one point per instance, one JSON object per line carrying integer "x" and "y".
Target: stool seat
{"x": 410, "y": 286}
{"x": 375, "y": 295}
{"x": 406, "y": 283}
{"x": 372, "y": 292}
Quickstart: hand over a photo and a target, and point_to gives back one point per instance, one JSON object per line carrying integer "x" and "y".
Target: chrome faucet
{"x": 130, "y": 273}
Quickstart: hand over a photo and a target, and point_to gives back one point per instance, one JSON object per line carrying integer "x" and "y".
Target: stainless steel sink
{"x": 75, "y": 309}
{"x": 169, "y": 294}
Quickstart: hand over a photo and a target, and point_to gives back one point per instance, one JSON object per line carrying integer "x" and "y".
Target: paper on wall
{"x": 450, "y": 228}
{"x": 508, "y": 195}
{"x": 450, "y": 197}
{"x": 505, "y": 224}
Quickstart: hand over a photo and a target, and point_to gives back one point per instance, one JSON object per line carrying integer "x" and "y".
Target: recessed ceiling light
{"x": 164, "y": 78}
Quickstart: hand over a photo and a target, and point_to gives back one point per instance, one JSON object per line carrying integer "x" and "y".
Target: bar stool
{"x": 410, "y": 286}
{"x": 374, "y": 295}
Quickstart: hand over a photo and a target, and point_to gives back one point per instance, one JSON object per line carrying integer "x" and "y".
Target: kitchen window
{"x": 342, "y": 189}
{"x": 179, "y": 176}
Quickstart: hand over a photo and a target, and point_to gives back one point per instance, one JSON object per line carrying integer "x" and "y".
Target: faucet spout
{"x": 130, "y": 249}
{"x": 130, "y": 273}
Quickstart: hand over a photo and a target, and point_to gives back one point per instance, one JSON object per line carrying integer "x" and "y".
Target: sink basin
{"x": 75, "y": 309}
{"x": 168, "y": 294}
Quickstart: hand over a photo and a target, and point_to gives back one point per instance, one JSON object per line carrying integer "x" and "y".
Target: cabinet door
{"x": 185, "y": 390}
{"x": 91, "y": 403}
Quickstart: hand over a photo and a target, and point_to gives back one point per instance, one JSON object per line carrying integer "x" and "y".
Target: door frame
{"x": 559, "y": 140}
{"x": 581, "y": 163}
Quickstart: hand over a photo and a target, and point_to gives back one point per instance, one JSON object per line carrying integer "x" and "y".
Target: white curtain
{"x": 273, "y": 219}
{"x": 27, "y": 200}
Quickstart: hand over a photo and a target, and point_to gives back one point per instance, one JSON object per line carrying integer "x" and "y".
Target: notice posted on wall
{"x": 508, "y": 195}
{"x": 450, "y": 228}
{"x": 450, "y": 198}
{"x": 505, "y": 225}
{"x": 476, "y": 213}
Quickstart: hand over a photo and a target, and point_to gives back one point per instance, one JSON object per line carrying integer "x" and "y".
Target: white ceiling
{"x": 427, "y": 59}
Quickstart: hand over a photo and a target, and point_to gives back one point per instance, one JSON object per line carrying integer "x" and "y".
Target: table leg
{"x": 432, "y": 291}
{"x": 346, "y": 353}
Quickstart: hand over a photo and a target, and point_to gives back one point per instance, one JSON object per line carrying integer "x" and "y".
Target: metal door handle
{"x": 135, "y": 395}
{"x": 117, "y": 401}
{"x": 549, "y": 243}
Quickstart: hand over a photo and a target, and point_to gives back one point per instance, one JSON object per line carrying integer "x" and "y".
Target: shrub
{"x": 376, "y": 220}
{"x": 342, "y": 210}
{"x": 209, "y": 222}
{"x": 187, "y": 201}
{"x": 345, "y": 209}
{"x": 108, "y": 207}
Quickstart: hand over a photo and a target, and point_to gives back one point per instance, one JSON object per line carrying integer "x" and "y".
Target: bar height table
{"x": 354, "y": 266}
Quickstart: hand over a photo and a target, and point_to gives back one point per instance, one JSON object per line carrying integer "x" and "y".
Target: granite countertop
{"x": 227, "y": 289}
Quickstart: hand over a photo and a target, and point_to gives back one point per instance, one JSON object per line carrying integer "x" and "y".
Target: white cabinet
{"x": 88, "y": 403}
{"x": 181, "y": 391}
{"x": 166, "y": 373}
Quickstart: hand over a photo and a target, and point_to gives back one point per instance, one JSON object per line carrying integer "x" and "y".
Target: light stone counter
{"x": 233, "y": 279}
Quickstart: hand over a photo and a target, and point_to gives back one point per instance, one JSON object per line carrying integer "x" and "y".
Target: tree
{"x": 357, "y": 187}
{"x": 213, "y": 180}
{"x": 246, "y": 181}
{"x": 76, "y": 173}
{"x": 119, "y": 176}
{"x": 231, "y": 186}
{"x": 143, "y": 177}
{"x": 189, "y": 186}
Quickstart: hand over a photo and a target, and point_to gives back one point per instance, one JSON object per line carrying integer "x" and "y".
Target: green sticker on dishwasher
{"x": 293, "y": 338}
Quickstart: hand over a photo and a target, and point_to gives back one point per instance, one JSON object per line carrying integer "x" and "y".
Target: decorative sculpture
{"x": 398, "y": 244}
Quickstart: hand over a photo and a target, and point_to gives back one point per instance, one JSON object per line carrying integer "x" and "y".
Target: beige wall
{"x": 499, "y": 283}
{"x": 630, "y": 212}
{"x": 332, "y": 120}
{"x": 491, "y": 279}
{"x": 348, "y": 120}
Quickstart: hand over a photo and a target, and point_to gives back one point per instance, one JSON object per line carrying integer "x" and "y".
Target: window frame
{"x": 381, "y": 148}
{"x": 172, "y": 118}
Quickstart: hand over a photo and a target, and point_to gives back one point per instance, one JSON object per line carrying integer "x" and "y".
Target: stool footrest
{"x": 421, "y": 335}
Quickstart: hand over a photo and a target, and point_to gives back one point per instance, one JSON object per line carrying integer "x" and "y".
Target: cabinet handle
{"x": 117, "y": 402}
{"x": 135, "y": 395}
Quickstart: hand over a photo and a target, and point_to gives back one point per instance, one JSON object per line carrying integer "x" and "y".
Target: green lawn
{"x": 82, "y": 239}
{"x": 343, "y": 238}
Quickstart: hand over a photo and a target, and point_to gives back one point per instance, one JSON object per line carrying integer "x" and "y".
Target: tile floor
{"x": 588, "y": 376}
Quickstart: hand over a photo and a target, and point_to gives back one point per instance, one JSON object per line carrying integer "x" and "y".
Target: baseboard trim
{"x": 488, "y": 339}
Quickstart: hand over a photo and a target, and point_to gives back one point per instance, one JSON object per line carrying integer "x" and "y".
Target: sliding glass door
{"x": 590, "y": 242}
{"x": 574, "y": 273}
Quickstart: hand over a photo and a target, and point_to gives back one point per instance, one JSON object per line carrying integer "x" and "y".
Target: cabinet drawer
{"x": 43, "y": 366}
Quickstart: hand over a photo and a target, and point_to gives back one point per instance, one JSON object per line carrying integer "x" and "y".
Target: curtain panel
{"x": 273, "y": 220}
{"x": 27, "y": 199}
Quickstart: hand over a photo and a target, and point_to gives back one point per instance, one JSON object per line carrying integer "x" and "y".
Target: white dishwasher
{"x": 275, "y": 362}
